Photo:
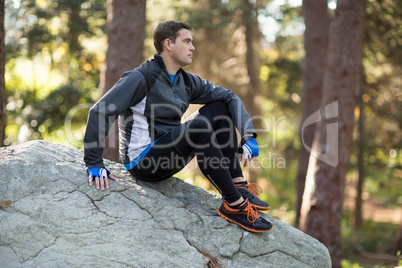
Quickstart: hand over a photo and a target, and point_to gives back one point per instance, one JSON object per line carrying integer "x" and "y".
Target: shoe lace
{"x": 254, "y": 188}
{"x": 252, "y": 214}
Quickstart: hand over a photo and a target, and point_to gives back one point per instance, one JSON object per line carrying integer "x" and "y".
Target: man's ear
{"x": 167, "y": 44}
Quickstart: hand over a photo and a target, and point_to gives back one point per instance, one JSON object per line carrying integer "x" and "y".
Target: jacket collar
{"x": 159, "y": 61}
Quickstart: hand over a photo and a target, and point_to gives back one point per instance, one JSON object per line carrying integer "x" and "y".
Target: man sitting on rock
{"x": 150, "y": 102}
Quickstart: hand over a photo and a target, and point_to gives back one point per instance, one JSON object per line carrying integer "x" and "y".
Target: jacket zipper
{"x": 174, "y": 91}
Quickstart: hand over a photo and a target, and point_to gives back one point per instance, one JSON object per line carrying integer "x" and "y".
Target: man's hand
{"x": 101, "y": 177}
{"x": 249, "y": 148}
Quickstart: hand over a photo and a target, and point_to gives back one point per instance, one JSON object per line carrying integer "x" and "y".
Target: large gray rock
{"x": 57, "y": 220}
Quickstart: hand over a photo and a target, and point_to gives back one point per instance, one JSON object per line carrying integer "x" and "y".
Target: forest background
{"x": 56, "y": 68}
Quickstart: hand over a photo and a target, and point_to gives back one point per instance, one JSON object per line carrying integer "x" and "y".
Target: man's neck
{"x": 171, "y": 67}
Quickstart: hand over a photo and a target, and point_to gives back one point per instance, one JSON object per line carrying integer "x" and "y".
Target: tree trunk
{"x": 253, "y": 92}
{"x": 397, "y": 247}
{"x": 253, "y": 87}
{"x": 126, "y": 34}
{"x": 322, "y": 201}
{"x": 3, "y": 118}
{"x": 360, "y": 160}
{"x": 74, "y": 26}
{"x": 316, "y": 19}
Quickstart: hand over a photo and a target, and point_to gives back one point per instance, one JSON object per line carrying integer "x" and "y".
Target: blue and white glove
{"x": 100, "y": 176}
{"x": 248, "y": 147}
{"x": 98, "y": 172}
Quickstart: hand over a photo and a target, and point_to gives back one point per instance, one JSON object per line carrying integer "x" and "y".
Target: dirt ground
{"x": 372, "y": 209}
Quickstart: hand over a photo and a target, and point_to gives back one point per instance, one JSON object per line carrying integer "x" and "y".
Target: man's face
{"x": 182, "y": 48}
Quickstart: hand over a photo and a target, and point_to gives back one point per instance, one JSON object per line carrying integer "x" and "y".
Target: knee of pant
{"x": 200, "y": 127}
{"x": 201, "y": 124}
{"x": 217, "y": 108}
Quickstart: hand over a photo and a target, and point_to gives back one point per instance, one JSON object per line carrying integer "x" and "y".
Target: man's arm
{"x": 128, "y": 91}
{"x": 204, "y": 92}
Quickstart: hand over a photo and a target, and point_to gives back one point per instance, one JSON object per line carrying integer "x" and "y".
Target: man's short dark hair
{"x": 168, "y": 30}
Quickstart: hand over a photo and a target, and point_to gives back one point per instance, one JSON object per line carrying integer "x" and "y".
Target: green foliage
{"x": 43, "y": 117}
{"x": 284, "y": 82}
{"x": 383, "y": 31}
{"x": 52, "y": 37}
{"x": 51, "y": 111}
{"x": 373, "y": 237}
{"x": 280, "y": 77}
{"x": 382, "y": 99}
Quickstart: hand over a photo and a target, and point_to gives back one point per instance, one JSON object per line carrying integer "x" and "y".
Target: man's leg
{"x": 175, "y": 149}
{"x": 197, "y": 137}
{"x": 217, "y": 113}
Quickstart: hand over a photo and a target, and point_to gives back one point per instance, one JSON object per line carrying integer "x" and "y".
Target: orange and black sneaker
{"x": 249, "y": 191}
{"x": 245, "y": 216}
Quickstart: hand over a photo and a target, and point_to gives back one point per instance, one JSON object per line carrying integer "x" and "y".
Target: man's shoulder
{"x": 149, "y": 69}
{"x": 147, "y": 66}
{"x": 190, "y": 78}
{"x": 132, "y": 76}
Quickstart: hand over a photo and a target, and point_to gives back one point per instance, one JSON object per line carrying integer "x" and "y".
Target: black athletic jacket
{"x": 148, "y": 106}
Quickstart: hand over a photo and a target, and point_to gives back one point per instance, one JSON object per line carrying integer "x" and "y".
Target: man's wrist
{"x": 248, "y": 134}
{"x": 246, "y": 138}
{"x": 99, "y": 165}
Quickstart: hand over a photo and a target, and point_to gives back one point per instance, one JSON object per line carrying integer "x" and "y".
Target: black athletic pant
{"x": 211, "y": 137}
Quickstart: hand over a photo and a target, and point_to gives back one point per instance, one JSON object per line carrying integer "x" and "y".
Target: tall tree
{"x": 126, "y": 33}
{"x": 397, "y": 246}
{"x": 252, "y": 34}
{"x": 316, "y": 20}
{"x": 360, "y": 160}
{"x": 382, "y": 48}
{"x": 3, "y": 122}
{"x": 323, "y": 198}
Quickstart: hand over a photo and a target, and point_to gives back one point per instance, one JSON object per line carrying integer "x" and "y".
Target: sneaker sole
{"x": 260, "y": 208}
{"x": 241, "y": 225}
